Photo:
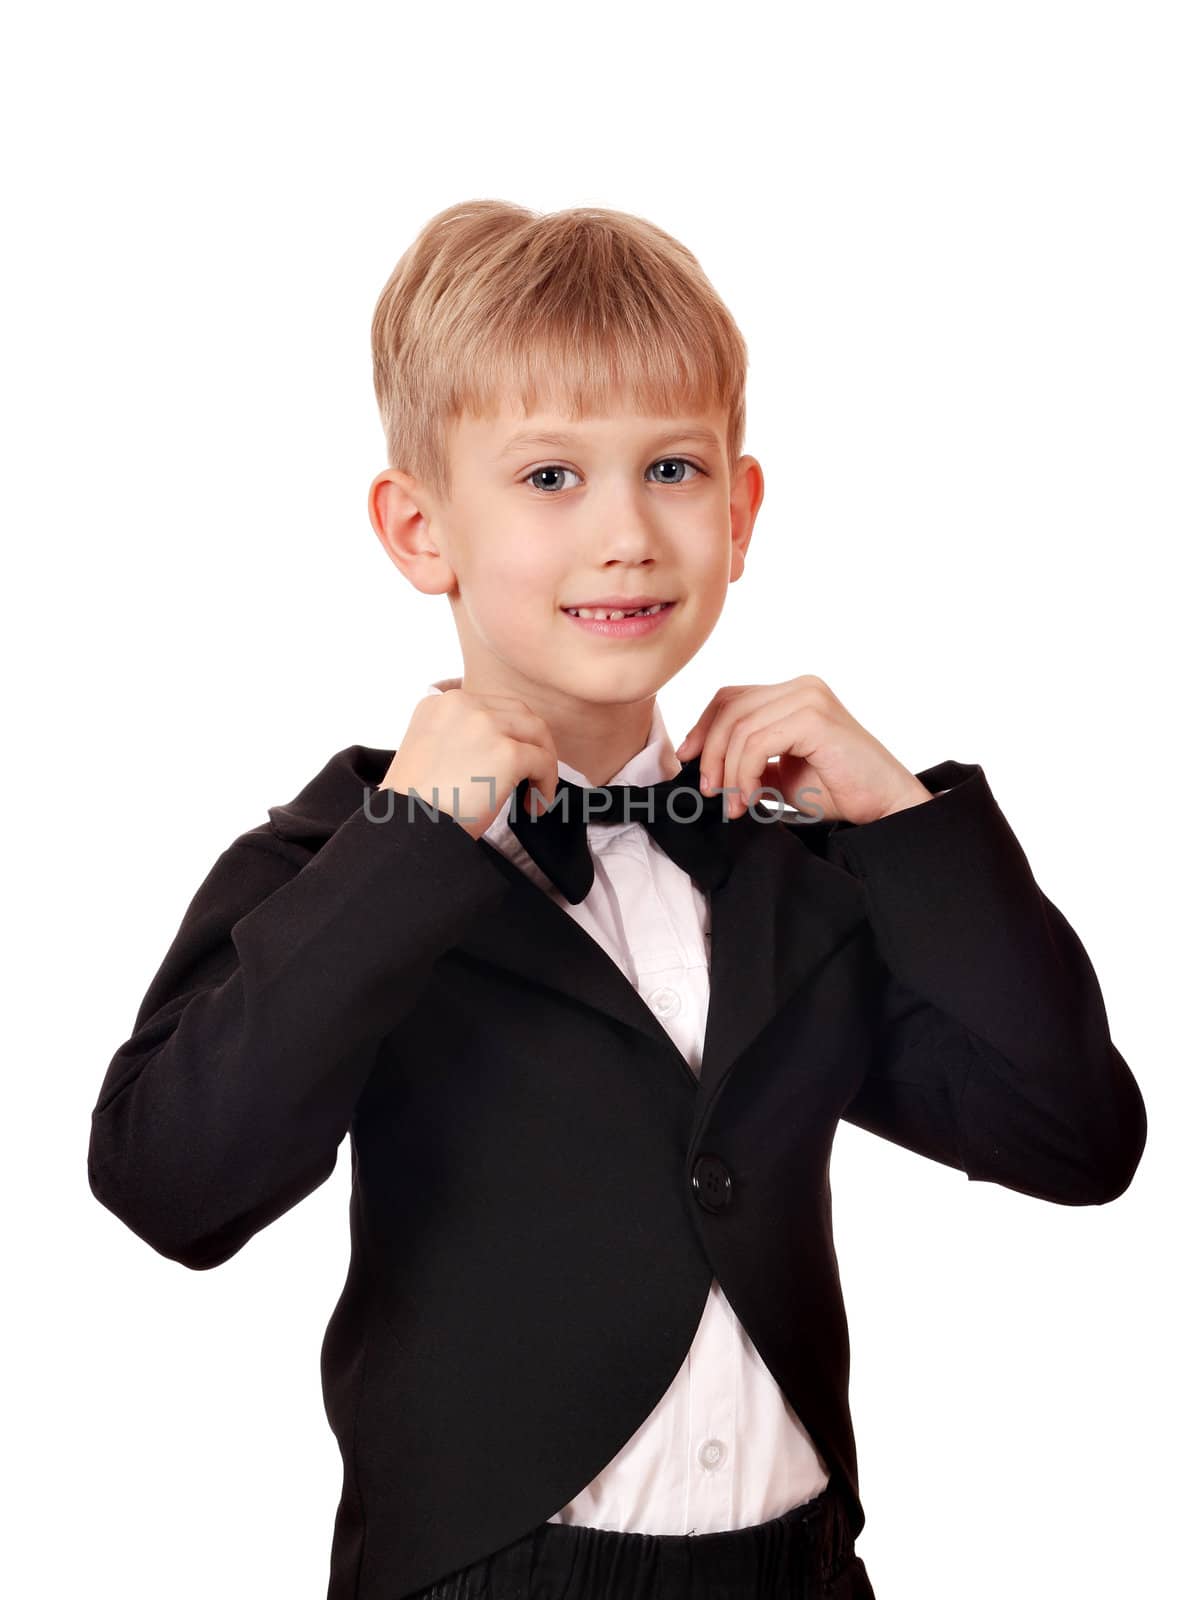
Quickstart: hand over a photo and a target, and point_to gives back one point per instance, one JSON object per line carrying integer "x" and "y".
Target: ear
{"x": 746, "y": 492}
{"x": 401, "y": 514}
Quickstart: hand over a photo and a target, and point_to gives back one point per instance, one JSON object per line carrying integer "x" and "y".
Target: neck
{"x": 595, "y": 739}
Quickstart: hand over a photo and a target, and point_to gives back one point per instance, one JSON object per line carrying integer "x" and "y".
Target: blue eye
{"x": 678, "y": 461}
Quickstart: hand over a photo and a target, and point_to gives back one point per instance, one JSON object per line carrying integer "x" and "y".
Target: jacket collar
{"x": 782, "y": 911}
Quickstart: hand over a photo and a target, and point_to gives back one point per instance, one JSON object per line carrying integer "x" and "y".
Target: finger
{"x": 780, "y": 780}
{"x": 535, "y": 761}
{"x": 777, "y": 702}
{"x": 697, "y": 736}
{"x": 751, "y": 752}
{"x": 542, "y": 776}
{"x": 536, "y": 752}
{"x": 751, "y": 745}
{"x": 792, "y": 739}
{"x": 736, "y": 703}
{"x": 535, "y": 740}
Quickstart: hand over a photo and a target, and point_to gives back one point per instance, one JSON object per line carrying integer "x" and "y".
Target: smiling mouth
{"x": 604, "y": 614}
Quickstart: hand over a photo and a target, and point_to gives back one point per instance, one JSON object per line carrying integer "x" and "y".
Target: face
{"x": 629, "y": 504}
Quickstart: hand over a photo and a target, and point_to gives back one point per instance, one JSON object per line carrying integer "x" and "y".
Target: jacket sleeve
{"x": 994, "y": 1052}
{"x": 228, "y": 1102}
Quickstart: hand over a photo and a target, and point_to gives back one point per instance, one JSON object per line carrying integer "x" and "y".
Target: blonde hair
{"x": 574, "y": 308}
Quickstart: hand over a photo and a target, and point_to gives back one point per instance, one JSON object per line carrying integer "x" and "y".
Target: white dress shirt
{"x": 723, "y": 1448}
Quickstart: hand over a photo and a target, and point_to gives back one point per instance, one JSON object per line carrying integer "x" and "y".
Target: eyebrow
{"x": 673, "y": 436}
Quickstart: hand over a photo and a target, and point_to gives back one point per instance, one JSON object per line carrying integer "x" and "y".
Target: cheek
{"x": 522, "y": 583}
{"x": 715, "y": 565}
{"x": 707, "y": 544}
{"x": 513, "y": 596}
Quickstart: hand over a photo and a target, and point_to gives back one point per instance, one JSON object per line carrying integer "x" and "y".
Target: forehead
{"x": 513, "y": 430}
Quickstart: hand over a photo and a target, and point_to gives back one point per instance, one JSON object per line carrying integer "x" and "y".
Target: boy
{"x": 591, "y": 1341}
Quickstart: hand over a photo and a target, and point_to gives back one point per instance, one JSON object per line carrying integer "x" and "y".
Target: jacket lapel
{"x": 780, "y": 913}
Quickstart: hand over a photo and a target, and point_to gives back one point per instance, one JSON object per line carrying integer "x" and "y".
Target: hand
{"x": 799, "y": 740}
{"x": 465, "y": 753}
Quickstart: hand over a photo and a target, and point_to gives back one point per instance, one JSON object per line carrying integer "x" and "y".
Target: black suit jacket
{"x": 542, "y": 1191}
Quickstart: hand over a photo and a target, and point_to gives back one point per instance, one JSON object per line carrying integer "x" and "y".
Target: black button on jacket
{"x": 542, "y": 1191}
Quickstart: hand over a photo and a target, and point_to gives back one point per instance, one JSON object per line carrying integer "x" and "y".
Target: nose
{"x": 626, "y": 529}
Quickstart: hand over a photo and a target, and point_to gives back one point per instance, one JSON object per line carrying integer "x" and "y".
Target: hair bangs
{"x": 581, "y": 313}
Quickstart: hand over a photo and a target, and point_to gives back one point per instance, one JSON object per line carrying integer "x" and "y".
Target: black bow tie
{"x": 688, "y": 826}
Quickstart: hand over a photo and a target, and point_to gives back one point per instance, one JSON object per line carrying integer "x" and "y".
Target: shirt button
{"x": 665, "y": 1001}
{"x": 710, "y": 1454}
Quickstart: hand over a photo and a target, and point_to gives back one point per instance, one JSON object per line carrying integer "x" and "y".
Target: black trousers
{"x": 805, "y": 1554}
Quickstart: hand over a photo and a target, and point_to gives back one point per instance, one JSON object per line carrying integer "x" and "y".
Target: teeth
{"x": 601, "y": 615}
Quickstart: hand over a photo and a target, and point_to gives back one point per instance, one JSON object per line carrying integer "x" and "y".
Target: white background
{"x": 948, "y": 233}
